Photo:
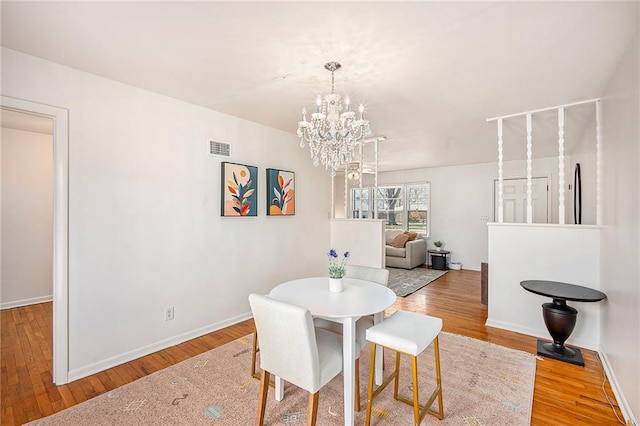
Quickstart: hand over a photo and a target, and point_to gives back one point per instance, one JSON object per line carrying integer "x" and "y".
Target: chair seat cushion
{"x": 395, "y": 252}
{"x": 361, "y": 327}
{"x": 407, "y": 332}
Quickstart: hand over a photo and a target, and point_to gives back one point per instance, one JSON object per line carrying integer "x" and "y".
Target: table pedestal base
{"x": 562, "y": 353}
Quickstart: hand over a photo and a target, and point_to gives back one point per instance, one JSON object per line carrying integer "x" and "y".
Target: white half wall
{"x": 461, "y": 198}
{"x": 564, "y": 253}
{"x": 27, "y": 218}
{"x": 145, "y": 230}
{"x": 363, "y": 239}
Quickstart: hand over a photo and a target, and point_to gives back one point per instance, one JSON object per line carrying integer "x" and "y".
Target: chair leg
{"x": 414, "y": 379}
{"x": 356, "y": 383}
{"x": 312, "y": 408}
{"x": 254, "y": 352}
{"x": 262, "y": 398}
{"x": 372, "y": 372}
{"x": 396, "y": 383}
{"x": 436, "y": 352}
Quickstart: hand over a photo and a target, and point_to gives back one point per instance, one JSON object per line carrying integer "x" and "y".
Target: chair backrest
{"x": 287, "y": 341}
{"x": 377, "y": 275}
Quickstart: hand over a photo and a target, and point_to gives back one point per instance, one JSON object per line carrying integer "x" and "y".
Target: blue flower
{"x": 337, "y": 268}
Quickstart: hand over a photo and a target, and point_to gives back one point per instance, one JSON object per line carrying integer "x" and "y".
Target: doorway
{"x": 514, "y": 200}
{"x": 60, "y": 133}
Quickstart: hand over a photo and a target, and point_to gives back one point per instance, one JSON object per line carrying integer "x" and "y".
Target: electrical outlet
{"x": 168, "y": 313}
{"x": 484, "y": 217}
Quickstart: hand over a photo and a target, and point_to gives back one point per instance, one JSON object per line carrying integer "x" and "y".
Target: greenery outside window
{"x": 404, "y": 207}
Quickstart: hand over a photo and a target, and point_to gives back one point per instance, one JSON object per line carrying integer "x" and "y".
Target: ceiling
{"x": 428, "y": 73}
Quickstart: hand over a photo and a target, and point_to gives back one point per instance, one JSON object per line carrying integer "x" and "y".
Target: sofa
{"x": 405, "y": 253}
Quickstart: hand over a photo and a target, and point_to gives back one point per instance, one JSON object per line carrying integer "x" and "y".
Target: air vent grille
{"x": 221, "y": 149}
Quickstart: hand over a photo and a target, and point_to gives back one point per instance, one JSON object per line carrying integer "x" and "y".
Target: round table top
{"x": 359, "y": 297}
{"x": 439, "y": 251}
{"x": 563, "y": 291}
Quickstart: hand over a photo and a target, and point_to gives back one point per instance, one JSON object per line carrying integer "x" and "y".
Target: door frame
{"x": 495, "y": 194}
{"x": 60, "y": 265}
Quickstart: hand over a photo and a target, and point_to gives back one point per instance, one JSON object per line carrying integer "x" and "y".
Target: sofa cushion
{"x": 390, "y": 235}
{"x": 400, "y": 241}
{"x": 412, "y": 235}
{"x": 395, "y": 252}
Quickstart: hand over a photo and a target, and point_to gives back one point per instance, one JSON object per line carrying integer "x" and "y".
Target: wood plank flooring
{"x": 565, "y": 394}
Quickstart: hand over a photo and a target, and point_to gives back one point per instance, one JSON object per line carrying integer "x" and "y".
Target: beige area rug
{"x": 483, "y": 384}
{"x": 406, "y": 281}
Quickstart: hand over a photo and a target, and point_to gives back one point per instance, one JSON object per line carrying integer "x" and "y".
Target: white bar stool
{"x": 408, "y": 333}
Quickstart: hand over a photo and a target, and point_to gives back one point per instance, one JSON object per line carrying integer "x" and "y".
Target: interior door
{"x": 514, "y": 200}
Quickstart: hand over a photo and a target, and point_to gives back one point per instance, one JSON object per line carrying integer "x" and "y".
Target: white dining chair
{"x": 294, "y": 350}
{"x": 368, "y": 273}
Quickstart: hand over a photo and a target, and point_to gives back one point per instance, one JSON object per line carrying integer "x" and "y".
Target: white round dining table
{"x": 359, "y": 298}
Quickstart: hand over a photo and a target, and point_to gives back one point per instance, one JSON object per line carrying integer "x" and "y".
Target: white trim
{"x": 615, "y": 387}
{"x": 546, "y": 225}
{"x": 154, "y": 347}
{"x": 539, "y": 333}
{"x": 60, "y": 118}
{"x": 26, "y": 302}
{"x": 535, "y": 111}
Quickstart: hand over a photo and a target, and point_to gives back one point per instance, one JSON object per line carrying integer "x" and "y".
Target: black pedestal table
{"x": 560, "y": 318}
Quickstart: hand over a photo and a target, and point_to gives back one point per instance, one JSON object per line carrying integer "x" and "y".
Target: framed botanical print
{"x": 239, "y": 190}
{"x": 281, "y": 193}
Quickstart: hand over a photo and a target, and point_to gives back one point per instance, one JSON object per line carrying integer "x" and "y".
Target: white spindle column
{"x": 599, "y": 217}
{"x": 529, "y": 170}
{"x": 361, "y": 176}
{"x": 373, "y": 198}
{"x": 346, "y": 191}
{"x": 333, "y": 197}
{"x": 561, "y": 213}
{"x": 500, "y": 175}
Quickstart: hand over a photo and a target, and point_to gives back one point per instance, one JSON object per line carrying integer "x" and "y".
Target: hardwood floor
{"x": 565, "y": 394}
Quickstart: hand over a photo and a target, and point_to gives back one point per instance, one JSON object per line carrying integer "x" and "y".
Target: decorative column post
{"x": 561, "y": 213}
{"x": 374, "y": 197}
{"x": 500, "y": 174}
{"x": 599, "y": 217}
{"x": 333, "y": 197}
{"x": 346, "y": 190}
{"x": 361, "y": 176}
{"x": 529, "y": 170}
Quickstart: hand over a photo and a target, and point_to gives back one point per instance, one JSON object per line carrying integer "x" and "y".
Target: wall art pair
{"x": 240, "y": 191}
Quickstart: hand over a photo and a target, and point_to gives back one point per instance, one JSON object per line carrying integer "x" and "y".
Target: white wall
{"x": 145, "y": 230}
{"x": 565, "y": 253}
{"x": 27, "y": 215}
{"x": 460, "y": 195}
{"x": 620, "y": 242}
{"x": 363, "y": 239}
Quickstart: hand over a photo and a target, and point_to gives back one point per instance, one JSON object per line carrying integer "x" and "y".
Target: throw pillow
{"x": 400, "y": 240}
{"x": 412, "y": 235}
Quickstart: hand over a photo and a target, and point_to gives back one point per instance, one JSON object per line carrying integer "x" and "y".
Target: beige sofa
{"x": 413, "y": 254}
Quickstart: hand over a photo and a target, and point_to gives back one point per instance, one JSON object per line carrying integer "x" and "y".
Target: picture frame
{"x": 281, "y": 192}
{"x": 239, "y": 190}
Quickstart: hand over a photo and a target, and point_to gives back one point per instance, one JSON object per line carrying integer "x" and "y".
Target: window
{"x": 404, "y": 207}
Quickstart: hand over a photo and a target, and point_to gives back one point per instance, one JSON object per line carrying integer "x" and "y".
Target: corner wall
{"x": 27, "y": 218}
{"x": 145, "y": 230}
{"x": 621, "y": 237}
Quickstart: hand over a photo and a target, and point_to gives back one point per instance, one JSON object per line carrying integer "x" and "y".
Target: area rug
{"x": 483, "y": 384}
{"x": 406, "y": 281}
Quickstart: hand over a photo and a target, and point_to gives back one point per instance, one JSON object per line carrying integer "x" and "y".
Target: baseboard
{"x": 154, "y": 347}
{"x": 541, "y": 334}
{"x": 26, "y": 302}
{"x": 615, "y": 386}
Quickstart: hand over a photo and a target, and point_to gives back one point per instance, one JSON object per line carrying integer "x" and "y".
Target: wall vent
{"x": 220, "y": 149}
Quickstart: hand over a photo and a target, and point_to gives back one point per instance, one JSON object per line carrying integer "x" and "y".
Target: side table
{"x": 438, "y": 259}
{"x": 560, "y": 318}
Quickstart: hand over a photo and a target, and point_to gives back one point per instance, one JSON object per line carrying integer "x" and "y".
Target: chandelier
{"x": 332, "y": 134}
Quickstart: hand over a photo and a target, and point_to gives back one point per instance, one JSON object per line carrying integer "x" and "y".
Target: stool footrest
{"x": 424, "y": 409}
